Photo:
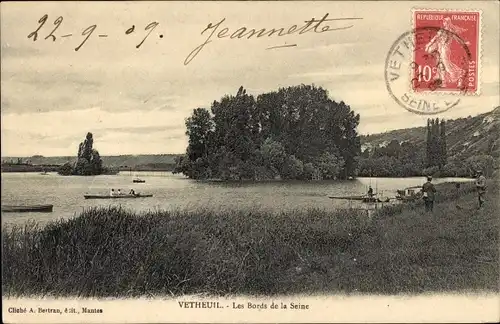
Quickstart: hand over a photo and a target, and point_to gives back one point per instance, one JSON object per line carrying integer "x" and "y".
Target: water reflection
{"x": 175, "y": 191}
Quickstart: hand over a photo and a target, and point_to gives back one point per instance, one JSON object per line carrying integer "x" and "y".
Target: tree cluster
{"x": 436, "y": 151}
{"x": 408, "y": 159}
{"x": 393, "y": 160}
{"x": 293, "y": 133}
{"x": 465, "y": 167}
{"x": 88, "y": 161}
{"x": 421, "y": 158}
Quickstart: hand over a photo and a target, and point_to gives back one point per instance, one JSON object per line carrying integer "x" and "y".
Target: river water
{"x": 175, "y": 191}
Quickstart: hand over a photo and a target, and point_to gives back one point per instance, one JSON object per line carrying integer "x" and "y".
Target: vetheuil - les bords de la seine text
{"x": 244, "y": 305}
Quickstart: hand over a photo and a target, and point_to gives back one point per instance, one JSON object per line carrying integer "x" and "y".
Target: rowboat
{"x": 138, "y": 181}
{"x": 27, "y": 209}
{"x": 116, "y": 196}
{"x": 365, "y": 199}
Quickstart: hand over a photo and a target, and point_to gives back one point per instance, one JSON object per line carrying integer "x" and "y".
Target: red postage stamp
{"x": 447, "y": 51}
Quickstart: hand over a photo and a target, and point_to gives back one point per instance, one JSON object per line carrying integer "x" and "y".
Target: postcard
{"x": 250, "y": 161}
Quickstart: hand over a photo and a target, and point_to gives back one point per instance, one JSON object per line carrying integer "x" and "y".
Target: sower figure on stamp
{"x": 440, "y": 46}
{"x": 480, "y": 187}
{"x": 429, "y": 191}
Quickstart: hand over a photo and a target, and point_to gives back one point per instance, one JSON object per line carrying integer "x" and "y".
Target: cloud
{"x": 139, "y": 98}
{"x": 337, "y": 73}
{"x": 58, "y": 123}
{"x": 50, "y": 80}
{"x": 145, "y": 129}
{"x": 19, "y": 52}
{"x": 331, "y": 46}
{"x": 61, "y": 131}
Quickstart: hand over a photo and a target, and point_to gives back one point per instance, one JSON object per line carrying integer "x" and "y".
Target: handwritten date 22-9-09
{"x": 87, "y": 32}
{"x": 215, "y": 31}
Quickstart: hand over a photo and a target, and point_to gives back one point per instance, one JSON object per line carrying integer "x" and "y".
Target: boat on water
{"x": 363, "y": 198}
{"x": 116, "y": 196}
{"x": 409, "y": 194}
{"x": 27, "y": 208}
{"x": 138, "y": 180}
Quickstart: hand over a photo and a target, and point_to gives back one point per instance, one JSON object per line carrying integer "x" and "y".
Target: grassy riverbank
{"x": 402, "y": 249}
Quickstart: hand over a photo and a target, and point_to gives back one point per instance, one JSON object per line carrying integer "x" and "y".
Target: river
{"x": 175, "y": 191}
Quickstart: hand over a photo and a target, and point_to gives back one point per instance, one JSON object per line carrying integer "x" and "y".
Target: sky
{"x": 136, "y": 100}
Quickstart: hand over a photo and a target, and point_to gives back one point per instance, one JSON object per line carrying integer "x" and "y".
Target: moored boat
{"x": 27, "y": 208}
{"x": 138, "y": 181}
{"x": 365, "y": 198}
{"x": 116, "y": 196}
{"x": 349, "y": 197}
{"x": 409, "y": 194}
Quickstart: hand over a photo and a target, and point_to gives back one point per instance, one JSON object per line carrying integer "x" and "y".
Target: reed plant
{"x": 113, "y": 252}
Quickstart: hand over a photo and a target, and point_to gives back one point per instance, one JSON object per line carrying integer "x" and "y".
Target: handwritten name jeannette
{"x": 217, "y": 30}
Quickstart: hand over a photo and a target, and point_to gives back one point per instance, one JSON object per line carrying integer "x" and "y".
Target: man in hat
{"x": 370, "y": 191}
{"x": 428, "y": 191}
{"x": 480, "y": 187}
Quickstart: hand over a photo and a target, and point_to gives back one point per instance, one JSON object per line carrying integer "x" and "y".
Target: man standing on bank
{"x": 429, "y": 191}
{"x": 481, "y": 187}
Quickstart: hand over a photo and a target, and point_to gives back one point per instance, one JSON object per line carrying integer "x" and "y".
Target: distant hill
{"x": 136, "y": 162}
{"x": 465, "y": 136}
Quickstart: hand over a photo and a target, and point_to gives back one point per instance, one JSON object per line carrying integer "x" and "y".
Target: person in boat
{"x": 119, "y": 192}
{"x": 112, "y": 192}
{"x": 429, "y": 192}
{"x": 132, "y": 192}
{"x": 370, "y": 191}
{"x": 480, "y": 187}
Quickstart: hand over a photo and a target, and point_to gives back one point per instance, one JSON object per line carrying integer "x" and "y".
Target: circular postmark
{"x": 424, "y": 73}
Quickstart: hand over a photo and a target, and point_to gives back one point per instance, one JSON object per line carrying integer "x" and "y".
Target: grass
{"x": 115, "y": 253}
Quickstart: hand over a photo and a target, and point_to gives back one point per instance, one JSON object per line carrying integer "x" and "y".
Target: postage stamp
{"x": 447, "y": 58}
{"x": 430, "y": 67}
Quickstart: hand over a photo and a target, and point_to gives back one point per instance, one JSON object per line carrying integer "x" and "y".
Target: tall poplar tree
{"x": 89, "y": 161}
{"x": 429, "y": 143}
{"x": 436, "y": 143}
{"x": 443, "y": 148}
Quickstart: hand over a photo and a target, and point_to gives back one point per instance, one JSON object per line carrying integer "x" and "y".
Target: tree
{"x": 199, "y": 128}
{"x": 88, "y": 160}
{"x": 273, "y": 155}
{"x": 455, "y": 168}
{"x": 436, "y": 143}
{"x": 393, "y": 149}
{"x": 443, "y": 149}
{"x": 182, "y": 165}
{"x": 429, "y": 144}
{"x": 431, "y": 171}
{"x": 236, "y": 128}
{"x": 85, "y": 148}
{"x": 330, "y": 165}
{"x": 66, "y": 169}
{"x": 484, "y": 163}
{"x": 310, "y": 172}
{"x": 293, "y": 168}
{"x": 96, "y": 162}
{"x": 275, "y": 134}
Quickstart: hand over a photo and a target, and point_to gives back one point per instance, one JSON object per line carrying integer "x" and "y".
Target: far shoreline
{"x": 41, "y": 170}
